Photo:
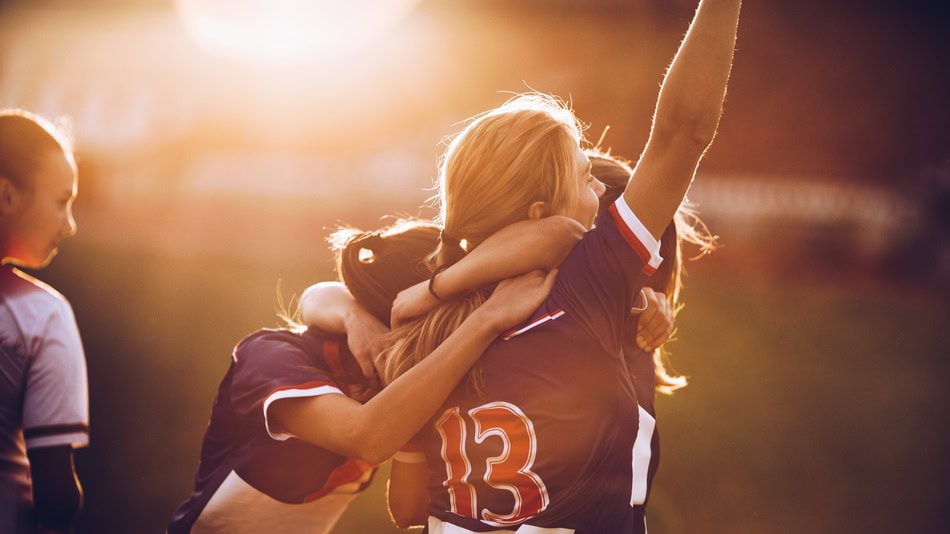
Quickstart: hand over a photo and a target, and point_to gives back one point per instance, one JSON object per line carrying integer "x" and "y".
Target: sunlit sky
{"x": 850, "y": 89}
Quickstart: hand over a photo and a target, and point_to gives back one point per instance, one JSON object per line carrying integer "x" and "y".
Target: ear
{"x": 9, "y": 195}
{"x": 537, "y": 210}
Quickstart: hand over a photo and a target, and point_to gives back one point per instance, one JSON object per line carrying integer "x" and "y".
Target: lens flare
{"x": 288, "y": 30}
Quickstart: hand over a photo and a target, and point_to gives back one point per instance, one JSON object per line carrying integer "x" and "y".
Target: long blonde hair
{"x": 501, "y": 163}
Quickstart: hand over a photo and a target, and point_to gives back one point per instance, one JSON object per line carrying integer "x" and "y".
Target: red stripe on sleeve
{"x": 632, "y": 239}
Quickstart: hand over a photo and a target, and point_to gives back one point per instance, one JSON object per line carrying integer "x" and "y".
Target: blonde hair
{"x": 501, "y": 163}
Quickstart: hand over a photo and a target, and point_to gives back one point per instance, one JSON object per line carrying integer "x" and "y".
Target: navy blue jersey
{"x": 642, "y": 372}
{"x": 253, "y": 475}
{"x": 548, "y": 441}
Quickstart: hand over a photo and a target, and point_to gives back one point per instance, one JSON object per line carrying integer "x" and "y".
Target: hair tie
{"x": 432, "y": 282}
{"x": 449, "y": 241}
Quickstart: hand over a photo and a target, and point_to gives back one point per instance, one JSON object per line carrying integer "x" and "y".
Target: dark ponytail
{"x": 377, "y": 265}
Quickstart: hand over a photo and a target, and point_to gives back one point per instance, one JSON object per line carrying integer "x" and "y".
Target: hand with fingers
{"x": 515, "y": 299}
{"x": 364, "y": 337}
{"x": 656, "y": 320}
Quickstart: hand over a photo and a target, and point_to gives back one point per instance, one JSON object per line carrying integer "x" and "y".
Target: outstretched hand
{"x": 656, "y": 321}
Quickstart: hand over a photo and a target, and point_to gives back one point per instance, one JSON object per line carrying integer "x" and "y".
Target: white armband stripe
{"x": 293, "y": 394}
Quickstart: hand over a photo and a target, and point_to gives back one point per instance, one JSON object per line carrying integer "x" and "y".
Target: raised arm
{"x": 686, "y": 116}
{"x": 517, "y": 248}
{"x": 374, "y": 431}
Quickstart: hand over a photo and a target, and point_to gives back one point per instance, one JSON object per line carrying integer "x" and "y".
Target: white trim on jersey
{"x": 640, "y": 232}
{"x": 536, "y": 322}
{"x": 238, "y": 508}
{"x": 437, "y": 526}
{"x": 75, "y": 439}
{"x": 293, "y": 394}
{"x": 410, "y": 457}
{"x": 642, "y": 450}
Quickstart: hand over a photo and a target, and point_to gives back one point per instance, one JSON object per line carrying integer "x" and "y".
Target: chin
{"x": 42, "y": 262}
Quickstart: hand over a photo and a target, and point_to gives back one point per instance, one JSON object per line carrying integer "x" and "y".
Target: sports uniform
{"x": 549, "y": 444}
{"x": 642, "y": 371}
{"x": 43, "y": 389}
{"x": 253, "y": 475}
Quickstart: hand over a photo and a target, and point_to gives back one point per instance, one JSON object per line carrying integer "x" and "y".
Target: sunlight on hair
{"x": 288, "y": 30}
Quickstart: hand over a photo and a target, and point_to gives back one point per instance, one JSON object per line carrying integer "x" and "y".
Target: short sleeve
{"x": 56, "y": 401}
{"x": 411, "y": 452}
{"x": 601, "y": 278}
{"x": 278, "y": 365}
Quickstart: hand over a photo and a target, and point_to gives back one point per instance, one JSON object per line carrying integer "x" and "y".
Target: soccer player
{"x": 525, "y": 245}
{"x": 44, "y": 409}
{"x": 297, "y": 430}
{"x": 652, "y": 319}
{"x": 545, "y": 436}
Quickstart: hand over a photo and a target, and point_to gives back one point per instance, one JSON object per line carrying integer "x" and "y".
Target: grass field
{"x": 816, "y": 404}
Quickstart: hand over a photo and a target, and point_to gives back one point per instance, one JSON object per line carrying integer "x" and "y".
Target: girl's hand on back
{"x": 515, "y": 299}
{"x": 656, "y": 321}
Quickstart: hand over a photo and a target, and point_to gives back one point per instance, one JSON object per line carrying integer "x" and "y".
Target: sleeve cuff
{"x": 636, "y": 235}
{"x": 274, "y": 430}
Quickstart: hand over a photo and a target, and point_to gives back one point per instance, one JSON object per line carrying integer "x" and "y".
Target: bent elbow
{"x": 371, "y": 455}
{"x": 407, "y": 511}
{"x": 407, "y": 520}
{"x": 367, "y": 448}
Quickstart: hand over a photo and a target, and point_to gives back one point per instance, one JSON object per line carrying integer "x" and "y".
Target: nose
{"x": 599, "y": 188}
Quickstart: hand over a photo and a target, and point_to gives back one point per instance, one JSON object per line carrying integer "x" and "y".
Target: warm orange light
{"x": 288, "y": 30}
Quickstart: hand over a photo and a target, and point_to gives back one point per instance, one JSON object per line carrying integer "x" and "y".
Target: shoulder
{"x": 620, "y": 220}
{"x": 34, "y": 306}
{"x": 283, "y": 339}
{"x": 286, "y": 349}
{"x": 18, "y": 285}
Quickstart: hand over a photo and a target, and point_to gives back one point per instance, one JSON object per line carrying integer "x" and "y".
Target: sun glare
{"x": 289, "y": 30}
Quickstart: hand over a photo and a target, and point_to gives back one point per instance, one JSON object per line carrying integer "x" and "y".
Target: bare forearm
{"x": 393, "y": 416}
{"x": 694, "y": 88}
{"x": 325, "y": 305}
{"x": 515, "y": 249}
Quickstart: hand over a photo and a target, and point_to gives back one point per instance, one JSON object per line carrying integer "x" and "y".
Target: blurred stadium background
{"x": 220, "y": 142}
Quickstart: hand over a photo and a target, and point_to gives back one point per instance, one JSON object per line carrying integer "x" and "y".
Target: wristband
{"x": 432, "y": 283}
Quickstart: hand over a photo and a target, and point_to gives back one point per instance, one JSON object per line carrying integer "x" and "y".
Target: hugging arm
{"x": 374, "y": 431}
{"x": 517, "y": 248}
{"x": 687, "y": 115}
{"x": 330, "y": 307}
